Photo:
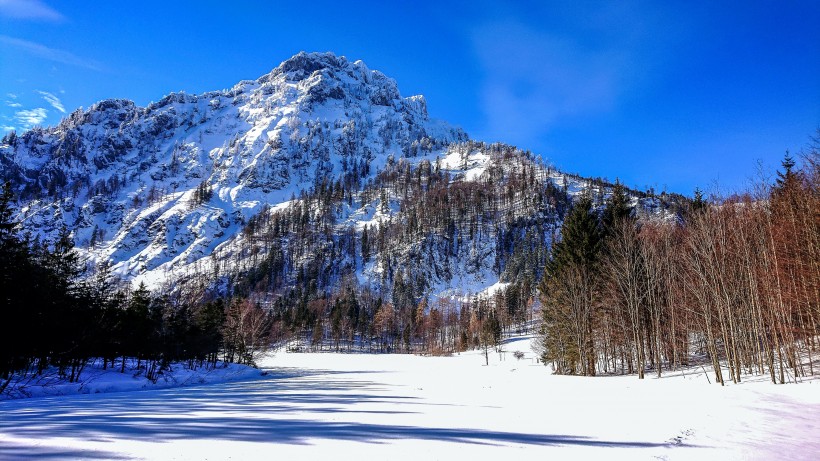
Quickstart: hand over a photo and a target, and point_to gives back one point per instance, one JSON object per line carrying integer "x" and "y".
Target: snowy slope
{"x": 457, "y": 257}
{"x": 165, "y": 192}
{"x": 124, "y": 179}
{"x": 364, "y": 406}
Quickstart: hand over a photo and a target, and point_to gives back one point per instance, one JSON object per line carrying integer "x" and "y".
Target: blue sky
{"x": 670, "y": 95}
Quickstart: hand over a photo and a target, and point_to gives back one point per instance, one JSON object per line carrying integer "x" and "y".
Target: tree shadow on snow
{"x": 254, "y": 411}
{"x": 22, "y": 452}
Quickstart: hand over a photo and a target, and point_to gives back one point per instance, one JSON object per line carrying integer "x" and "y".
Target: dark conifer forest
{"x": 56, "y": 314}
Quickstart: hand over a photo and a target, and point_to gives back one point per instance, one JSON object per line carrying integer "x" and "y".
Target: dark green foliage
{"x": 698, "y": 202}
{"x": 489, "y": 335}
{"x": 787, "y": 175}
{"x": 52, "y": 317}
{"x": 617, "y": 209}
{"x": 581, "y": 239}
{"x": 7, "y": 225}
{"x": 202, "y": 194}
{"x": 365, "y": 245}
{"x": 788, "y": 179}
{"x": 569, "y": 292}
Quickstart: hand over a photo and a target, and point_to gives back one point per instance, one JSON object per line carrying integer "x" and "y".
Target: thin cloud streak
{"x": 51, "y": 54}
{"x": 52, "y": 100}
{"x": 29, "y": 10}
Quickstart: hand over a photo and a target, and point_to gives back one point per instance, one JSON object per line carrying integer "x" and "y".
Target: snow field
{"x": 364, "y": 406}
{"x": 96, "y": 380}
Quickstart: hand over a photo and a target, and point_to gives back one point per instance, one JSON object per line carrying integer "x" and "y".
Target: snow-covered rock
{"x": 127, "y": 180}
{"x": 166, "y": 191}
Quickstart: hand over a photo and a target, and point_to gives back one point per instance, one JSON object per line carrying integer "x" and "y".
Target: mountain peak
{"x": 129, "y": 181}
{"x": 328, "y": 76}
{"x": 302, "y": 64}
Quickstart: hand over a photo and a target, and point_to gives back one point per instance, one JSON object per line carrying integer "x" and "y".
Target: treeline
{"x": 427, "y": 225}
{"x": 56, "y": 316}
{"x": 735, "y": 282}
{"x": 356, "y": 318}
{"x": 303, "y": 262}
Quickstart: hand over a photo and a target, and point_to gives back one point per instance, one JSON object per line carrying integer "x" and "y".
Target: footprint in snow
{"x": 680, "y": 439}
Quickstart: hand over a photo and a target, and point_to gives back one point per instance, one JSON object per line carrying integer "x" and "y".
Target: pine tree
{"x": 698, "y": 202}
{"x": 139, "y": 330}
{"x": 64, "y": 261}
{"x": 489, "y": 335}
{"x": 209, "y": 320}
{"x": 569, "y": 293}
{"x": 787, "y": 180}
{"x": 7, "y": 224}
{"x": 14, "y": 269}
{"x": 581, "y": 238}
{"x": 617, "y": 208}
{"x": 365, "y": 245}
{"x": 787, "y": 175}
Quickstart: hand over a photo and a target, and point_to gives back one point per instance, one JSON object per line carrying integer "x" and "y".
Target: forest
{"x": 304, "y": 262}
{"x": 735, "y": 283}
{"x": 58, "y": 314}
{"x": 612, "y": 280}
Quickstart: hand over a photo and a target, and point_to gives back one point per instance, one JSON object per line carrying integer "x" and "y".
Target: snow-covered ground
{"x": 94, "y": 379}
{"x": 357, "y": 406}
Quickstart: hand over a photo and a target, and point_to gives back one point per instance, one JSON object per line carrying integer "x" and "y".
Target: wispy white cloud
{"x": 29, "y": 10}
{"x": 533, "y": 79}
{"x": 51, "y": 54}
{"x": 28, "y": 118}
{"x": 54, "y": 101}
{"x": 12, "y": 100}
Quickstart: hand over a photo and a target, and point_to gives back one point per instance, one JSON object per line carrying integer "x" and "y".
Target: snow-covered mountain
{"x": 170, "y": 189}
{"x": 125, "y": 179}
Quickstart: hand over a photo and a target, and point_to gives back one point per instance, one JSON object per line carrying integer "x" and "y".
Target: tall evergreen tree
{"x": 365, "y": 245}
{"x": 7, "y": 224}
{"x": 617, "y": 208}
{"x": 13, "y": 264}
{"x": 698, "y": 202}
{"x": 581, "y": 238}
{"x": 787, "y": 175}
{"x": 787, "y": 180}
{"x": 569, "y": 292}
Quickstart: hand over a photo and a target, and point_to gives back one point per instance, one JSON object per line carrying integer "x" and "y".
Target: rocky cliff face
{"x": 157, "y": 188}
{"x": 316, "y": 174}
